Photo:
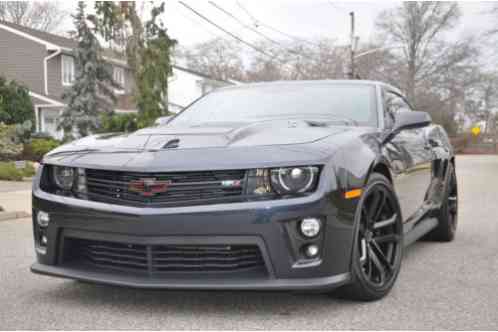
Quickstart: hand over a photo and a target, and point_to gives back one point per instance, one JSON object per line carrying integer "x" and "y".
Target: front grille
{"x": 183, "y": 188}
{"x": 164, "y": 258}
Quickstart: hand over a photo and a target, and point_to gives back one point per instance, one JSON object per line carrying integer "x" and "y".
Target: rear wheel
{"x": 378, "y": 248}
{"x": 448, "y": 213}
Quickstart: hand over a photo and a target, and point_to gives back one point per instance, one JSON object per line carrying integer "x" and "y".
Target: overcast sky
{"x": 300, "y": 18}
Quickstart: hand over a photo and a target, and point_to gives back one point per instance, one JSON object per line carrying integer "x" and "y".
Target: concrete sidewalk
{"x": 15, "y": 199}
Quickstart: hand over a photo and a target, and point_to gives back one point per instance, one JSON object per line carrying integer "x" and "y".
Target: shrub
{"x": 24, "y": 131}
{"x": 9, "y": 148}
{"x": 9, "y": 172}
{"x": 15, "y": 103}
{"x": 29, "y": 170}
{"x": 38, "y": 147}
{"x": 112, "y": 123}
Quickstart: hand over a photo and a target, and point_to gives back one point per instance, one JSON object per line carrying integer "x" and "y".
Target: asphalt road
{"x": 441, "y": 286}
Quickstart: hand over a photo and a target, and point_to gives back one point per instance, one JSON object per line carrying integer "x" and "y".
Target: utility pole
{"x": 351, "y": 72}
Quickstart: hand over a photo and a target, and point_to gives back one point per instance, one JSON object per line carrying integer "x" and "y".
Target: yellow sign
{"x": 476, "y": 131}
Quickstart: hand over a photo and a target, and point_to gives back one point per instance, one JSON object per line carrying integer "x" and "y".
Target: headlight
{"x": 258, "y": 182}
{"x": 64, "y": 177}
{"x": 293, "y": 180}
{"x": 282, "y": 181}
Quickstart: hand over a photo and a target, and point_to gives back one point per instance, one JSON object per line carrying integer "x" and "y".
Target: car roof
{"x": 312, "y": 82}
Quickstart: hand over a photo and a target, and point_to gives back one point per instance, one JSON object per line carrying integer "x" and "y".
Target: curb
{"x": 5, "y": 216}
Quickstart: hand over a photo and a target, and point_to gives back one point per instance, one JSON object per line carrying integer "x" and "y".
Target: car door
{"x": 410, "y": 156}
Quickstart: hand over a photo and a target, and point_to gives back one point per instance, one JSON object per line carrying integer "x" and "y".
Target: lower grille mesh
{"x": 164, "y": 258}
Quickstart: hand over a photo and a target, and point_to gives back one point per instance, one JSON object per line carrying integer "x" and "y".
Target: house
{"x": 44, "y": 63}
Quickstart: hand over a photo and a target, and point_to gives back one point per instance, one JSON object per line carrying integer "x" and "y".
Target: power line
{"x": 200, "y": 24}
{"x": 254, "y": 20}
{"x": 258, "y": 23}
{"x": 242, "y": 23}
{"x": 337, "y": 7}
{"x": 284, "y": 48}
{"x": 254, "y": 47}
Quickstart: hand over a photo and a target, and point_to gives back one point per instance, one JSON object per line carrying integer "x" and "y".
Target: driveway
{"x": 441, "y": 286}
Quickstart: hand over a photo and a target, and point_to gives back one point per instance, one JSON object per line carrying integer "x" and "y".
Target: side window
{"x": 67, "y": 70}
{"x": 393, "y": 104}
{"x": 119, "y": 77}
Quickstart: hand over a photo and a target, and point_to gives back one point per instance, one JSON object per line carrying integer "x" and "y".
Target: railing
{"x": 470, "y": 144}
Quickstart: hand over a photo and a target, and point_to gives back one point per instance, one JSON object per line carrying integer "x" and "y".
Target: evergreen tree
{"x": 148, "y": 51}
{"x": 91, "y": 94}
{"x": 152, "y": 76}
{"x": 15, "y": 103}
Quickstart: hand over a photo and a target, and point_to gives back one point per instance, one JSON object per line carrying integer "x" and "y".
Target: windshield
{"x": 351, "y": 103}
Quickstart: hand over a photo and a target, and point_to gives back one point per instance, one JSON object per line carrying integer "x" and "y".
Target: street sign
{"x": 476, "y": 131}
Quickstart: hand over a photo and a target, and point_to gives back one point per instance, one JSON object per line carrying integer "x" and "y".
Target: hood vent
{"x": 173, "y": 144}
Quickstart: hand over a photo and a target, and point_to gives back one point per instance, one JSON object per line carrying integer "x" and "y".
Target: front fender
{"x": 354, "y": 162}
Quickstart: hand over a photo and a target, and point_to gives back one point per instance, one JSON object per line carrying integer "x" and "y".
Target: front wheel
{"x": 378, "y": 245}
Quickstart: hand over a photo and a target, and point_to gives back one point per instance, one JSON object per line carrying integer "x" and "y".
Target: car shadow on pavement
{"x": 74, "y": 293}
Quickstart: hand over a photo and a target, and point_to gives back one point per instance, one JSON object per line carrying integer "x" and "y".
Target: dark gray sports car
{"x": 275, "y": 186}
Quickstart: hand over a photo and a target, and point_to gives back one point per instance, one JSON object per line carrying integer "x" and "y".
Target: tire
{"x": 368, "y": 282}
{"x": 447, "y": 214}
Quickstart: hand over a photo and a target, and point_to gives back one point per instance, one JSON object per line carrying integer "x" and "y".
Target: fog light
{"x": 43, "y": 218}
{"x": 311, "y": 251}
{"x": 310, "y": 227}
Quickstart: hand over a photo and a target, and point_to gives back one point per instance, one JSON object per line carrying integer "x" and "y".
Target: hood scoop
{"x": 172, "y": 144}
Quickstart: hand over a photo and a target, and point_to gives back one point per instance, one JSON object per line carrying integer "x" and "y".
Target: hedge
{"x": 9, "y": 172}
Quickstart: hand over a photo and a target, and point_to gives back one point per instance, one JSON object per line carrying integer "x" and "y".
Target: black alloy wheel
{"x": 378, "y": 242}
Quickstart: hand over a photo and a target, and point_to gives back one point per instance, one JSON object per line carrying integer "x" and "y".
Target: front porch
{"x": 47, "y": 115}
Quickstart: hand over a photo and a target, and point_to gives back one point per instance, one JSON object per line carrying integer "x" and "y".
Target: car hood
{"x": 220, "y": 145}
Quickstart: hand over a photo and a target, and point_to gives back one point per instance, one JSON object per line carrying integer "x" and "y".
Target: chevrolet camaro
{"x": 309, "y": 185}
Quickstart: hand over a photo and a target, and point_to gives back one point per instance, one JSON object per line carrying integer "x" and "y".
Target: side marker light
{"x": 353, "y": 193}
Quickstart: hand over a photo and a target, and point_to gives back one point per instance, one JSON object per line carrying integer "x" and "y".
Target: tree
{"x": 481, "y": 101}
{"x": 433, "y": 71}
{"x": 218, "y": 58}
{"x": 41, "y": 15}
{"x": 416, "y": 28}
{"x": 91, "y": 94}
{"x": 148, "y": 51}
{"x": 494, "y": 11}
{"x": 15, "y": 103}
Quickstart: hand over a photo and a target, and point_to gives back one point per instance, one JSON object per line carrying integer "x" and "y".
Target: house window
{"x": 119, "y": 78}
{"x": 67, "y": 70}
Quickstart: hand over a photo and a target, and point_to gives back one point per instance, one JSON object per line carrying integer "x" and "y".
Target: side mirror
{"x": 411, "y": 120}
{"x": 408, "y": 120}
{"x": 162, "y": 120}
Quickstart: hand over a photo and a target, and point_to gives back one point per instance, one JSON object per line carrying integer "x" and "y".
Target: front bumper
{"x": 206, "y": 283}
{"x": 264, "y": 224}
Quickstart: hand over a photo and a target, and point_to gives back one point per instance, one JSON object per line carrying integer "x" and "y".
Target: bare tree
{"x": 417, "y": 29}
{"x": 298, "y": 60}
{"x": 494, "y": 12}
{"x": 41, "y": 15}
{"x": 219, "y": 58}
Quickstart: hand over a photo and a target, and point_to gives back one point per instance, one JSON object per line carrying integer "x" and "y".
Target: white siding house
{"x": 185, "y": 86}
